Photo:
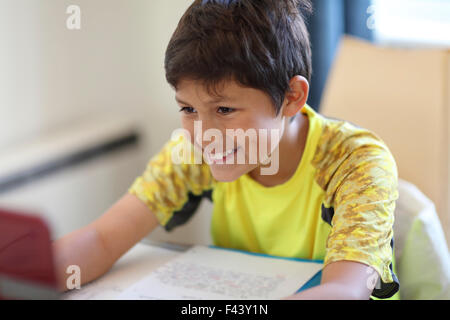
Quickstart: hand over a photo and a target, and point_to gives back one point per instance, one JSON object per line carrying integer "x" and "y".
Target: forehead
{"x": 227, "y": 90}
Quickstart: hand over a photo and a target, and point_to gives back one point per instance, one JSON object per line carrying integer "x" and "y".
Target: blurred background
{"x": 83, "y": 109}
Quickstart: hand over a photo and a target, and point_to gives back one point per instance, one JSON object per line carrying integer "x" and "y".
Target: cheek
{"x": 187, "y": 124}
{"x": 264, "y": 130}
{"x": 258, "y": 141}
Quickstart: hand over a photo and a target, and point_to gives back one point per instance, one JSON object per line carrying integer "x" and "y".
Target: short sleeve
{"x": 364, "y": 203}
{"x": 165, "y": 185}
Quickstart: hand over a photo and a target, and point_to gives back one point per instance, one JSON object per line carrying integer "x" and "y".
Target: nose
{"x": 198, "y": 136}
{"x": 208, "y": 129}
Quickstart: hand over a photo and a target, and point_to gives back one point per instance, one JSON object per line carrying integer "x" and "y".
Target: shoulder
{"x": 178, "y": 166}
{"x": 345, "y": 148}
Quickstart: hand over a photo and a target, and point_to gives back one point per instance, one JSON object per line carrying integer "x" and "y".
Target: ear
{"x": 296, "y": 97}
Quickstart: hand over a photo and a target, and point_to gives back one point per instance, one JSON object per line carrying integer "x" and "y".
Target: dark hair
{"x": 260, "y": 44}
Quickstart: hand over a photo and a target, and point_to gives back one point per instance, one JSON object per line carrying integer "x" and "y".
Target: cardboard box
{"x": 403, "y": 95}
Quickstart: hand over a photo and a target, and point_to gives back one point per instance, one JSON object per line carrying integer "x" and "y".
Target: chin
{"x": 227, "y": 173}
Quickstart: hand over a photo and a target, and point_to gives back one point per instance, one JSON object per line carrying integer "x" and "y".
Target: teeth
{"x": 220, "y": 156}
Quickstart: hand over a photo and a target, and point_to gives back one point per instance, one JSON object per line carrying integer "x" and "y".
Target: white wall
{"x": 52, "y": 77}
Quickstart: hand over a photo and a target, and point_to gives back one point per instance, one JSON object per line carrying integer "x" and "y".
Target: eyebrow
{"x": 211, "y": 101}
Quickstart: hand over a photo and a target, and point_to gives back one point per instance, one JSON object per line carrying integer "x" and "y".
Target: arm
{"x": 362, "y": 192}
{"x": 96, "y": 247}
{"x": 341, "y": 280}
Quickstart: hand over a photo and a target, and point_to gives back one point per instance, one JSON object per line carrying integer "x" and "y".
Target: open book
{"x": 215, "y": 273}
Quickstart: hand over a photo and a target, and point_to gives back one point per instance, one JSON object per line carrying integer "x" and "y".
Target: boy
{"x": 325, "y": 189}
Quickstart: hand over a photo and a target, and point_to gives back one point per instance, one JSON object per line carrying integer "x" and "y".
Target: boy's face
{"x": 230, "y": 153}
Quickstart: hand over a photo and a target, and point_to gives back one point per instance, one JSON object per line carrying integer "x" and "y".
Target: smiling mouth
{"x": 222, "y": 156}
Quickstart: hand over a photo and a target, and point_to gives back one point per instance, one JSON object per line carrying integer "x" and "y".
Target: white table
{"x": 137, "y": 263}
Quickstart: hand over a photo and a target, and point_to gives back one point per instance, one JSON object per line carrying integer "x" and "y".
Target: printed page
{"x": 218, "y": 274}
{"x": 132, "y": 267}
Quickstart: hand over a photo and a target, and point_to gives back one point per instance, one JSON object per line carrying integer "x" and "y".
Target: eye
{"x": 225, "y": 110}
{"x": 187, "y": 110}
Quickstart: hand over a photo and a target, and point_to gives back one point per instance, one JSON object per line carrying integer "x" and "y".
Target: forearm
{"x": 328, "y": 291}
{"x": 83, "y": 248}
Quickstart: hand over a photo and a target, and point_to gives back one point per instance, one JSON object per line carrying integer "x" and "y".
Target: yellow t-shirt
{"x": 338, "y": 205}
